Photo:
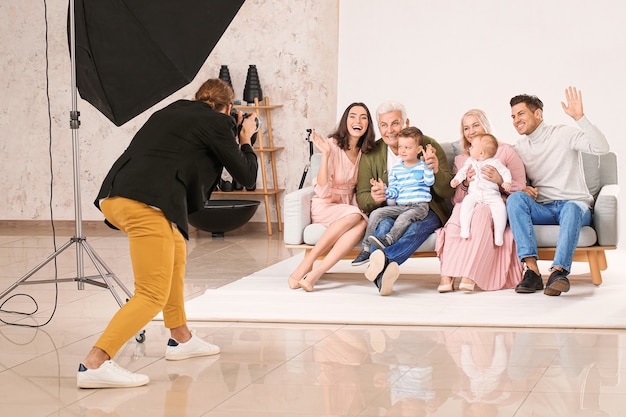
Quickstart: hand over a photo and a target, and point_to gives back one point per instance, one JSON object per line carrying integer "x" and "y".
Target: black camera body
{"x": 234, "y": 113}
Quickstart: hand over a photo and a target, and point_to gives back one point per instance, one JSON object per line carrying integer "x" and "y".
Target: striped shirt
{"x": 410, "y": 184}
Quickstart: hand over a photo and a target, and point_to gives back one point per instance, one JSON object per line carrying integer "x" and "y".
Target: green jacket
{"x": 374, "y": 165}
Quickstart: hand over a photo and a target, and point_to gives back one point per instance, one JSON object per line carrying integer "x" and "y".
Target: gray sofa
{"x": 601, "y": 176}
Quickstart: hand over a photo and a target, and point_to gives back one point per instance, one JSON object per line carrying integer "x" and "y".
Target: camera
{"x": 234, "y": 113}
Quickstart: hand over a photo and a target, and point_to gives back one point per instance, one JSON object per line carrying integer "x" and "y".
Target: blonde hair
{"x": 482, "y": 119}
{"x": 216, "y": 93}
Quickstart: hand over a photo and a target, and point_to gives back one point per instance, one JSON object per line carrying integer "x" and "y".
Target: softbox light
{"x": 131, "y": 54}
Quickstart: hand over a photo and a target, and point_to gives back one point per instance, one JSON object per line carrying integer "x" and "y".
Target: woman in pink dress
{"x": 476, "y": 260}
{"x": 334, "y": 204}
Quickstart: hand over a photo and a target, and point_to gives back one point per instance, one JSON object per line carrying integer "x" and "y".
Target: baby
{"x": 481, "y": 190}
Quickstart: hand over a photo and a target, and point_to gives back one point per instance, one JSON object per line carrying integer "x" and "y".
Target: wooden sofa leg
{"x": 602, "y": 260}
{"x": 597, "y": 262}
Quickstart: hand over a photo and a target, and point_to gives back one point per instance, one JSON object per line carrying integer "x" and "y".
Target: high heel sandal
{"x": 467, "y": 286}
{"x": 294, "y": 284}
{"x": 306, "y": 285}
{"x": 446, "y": 287}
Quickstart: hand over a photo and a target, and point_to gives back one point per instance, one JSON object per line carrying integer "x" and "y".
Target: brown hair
{"x": 216, "y": 93}
{"x": 341, "y": 135}
{"x": 489, "y": 142}
{"x": 414, "y": 133}
{"x": 532, "y": 102}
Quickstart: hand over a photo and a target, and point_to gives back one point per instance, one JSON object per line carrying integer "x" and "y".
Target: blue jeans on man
{"x": 571, "y": 216}
{"x": 383, "y": 270}
{"x": 413, "y": 237}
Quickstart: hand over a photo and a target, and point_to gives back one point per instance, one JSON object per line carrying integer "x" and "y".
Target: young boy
{"x": 482, "y": 153}
{"x": 409, "y": 186}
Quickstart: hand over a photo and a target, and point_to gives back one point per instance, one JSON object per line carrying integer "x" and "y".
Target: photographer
{"x": 165, "y": 174}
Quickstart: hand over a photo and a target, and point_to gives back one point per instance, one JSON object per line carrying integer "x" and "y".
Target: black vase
{"x": 252, "y": 89}
{"x": 225, "y": 75}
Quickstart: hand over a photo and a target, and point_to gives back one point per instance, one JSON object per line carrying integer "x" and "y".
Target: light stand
{"x": 104, "y": 272}
{"x": 308, "y": 165}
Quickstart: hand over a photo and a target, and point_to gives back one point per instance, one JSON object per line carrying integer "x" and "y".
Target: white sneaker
{"x": 109, "y": 375}
{"x": 390, "y": 276}
{"x": 192, "y": 348}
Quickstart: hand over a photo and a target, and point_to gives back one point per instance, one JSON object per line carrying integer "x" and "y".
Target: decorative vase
{"x": 252, "y": 89}
{"x": 225, "y": 75}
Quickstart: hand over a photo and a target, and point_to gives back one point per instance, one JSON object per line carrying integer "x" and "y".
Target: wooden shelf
{"x": 265, "y": 147}
{"x": 259, "y": 107}
{"x": 269, "y": 191}
{"x": 274, "y": 149}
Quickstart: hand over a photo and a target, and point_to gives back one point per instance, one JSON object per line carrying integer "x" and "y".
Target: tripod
{"x": 104, "y": 272}
{"x": 308, "y": 165}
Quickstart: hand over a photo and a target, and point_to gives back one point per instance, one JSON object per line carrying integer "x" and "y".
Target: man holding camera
{"x": 227, "y": 182}
{"x": 164, "y": 175}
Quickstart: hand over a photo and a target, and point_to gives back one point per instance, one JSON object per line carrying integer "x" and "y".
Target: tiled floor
{"x": 269, "y": 369}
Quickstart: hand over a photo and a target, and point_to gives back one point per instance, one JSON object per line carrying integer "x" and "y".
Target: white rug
{"x": 344, "y": 296}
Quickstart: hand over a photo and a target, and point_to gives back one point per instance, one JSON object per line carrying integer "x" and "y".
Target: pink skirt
{"x": 491, "y": 267}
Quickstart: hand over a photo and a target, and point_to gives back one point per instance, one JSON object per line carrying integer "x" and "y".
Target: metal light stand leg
{"x": 104, "y": 272}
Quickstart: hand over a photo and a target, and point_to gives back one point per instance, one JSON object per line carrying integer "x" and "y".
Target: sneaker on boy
{"x": 380, "y": 243}
{"x": 362, "y": 258}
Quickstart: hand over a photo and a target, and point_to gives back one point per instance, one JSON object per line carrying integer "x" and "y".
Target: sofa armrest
{"x": 297, "y": 212}
{"x": 605, "y": 215}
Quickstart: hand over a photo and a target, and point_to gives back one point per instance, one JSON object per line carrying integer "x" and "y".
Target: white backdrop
{"x": 441, "y": 58}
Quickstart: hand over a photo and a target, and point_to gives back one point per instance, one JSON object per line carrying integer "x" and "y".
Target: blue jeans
{"x": 415, "y": 235}
{"x": 524, "y": 212}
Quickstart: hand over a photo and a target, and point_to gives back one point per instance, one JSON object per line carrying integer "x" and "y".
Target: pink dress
{"x": 477, "y": 258}
{"x": 337, "y": 198}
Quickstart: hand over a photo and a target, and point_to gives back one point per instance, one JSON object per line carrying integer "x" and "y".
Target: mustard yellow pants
{"x": 158, "y": 253}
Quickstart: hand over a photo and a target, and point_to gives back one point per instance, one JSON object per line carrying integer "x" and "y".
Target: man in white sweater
{"x": 557, "y": 192}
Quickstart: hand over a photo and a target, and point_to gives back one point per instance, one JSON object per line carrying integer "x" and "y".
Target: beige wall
{"x": 479, "y": 54}
{"x": 293, "y": 44}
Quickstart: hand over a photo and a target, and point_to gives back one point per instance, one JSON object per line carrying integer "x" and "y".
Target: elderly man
{"x": 375, "y": 165}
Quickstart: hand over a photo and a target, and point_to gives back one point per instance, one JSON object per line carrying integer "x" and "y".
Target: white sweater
{"x": 553, "y": 160}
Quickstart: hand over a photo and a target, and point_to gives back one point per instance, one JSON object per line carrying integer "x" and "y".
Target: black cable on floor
{"x": 56, "y": 272}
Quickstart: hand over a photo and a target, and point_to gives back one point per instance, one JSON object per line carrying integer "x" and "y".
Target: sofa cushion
{"x": 591, "y": 164}
{"x": 313, "y": 233}
{"x": 451, "y": 149}
{"x": 548, "y": 235}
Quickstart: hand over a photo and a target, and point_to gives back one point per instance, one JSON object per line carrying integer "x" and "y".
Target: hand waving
{"x": 430, "y": 158}
{"x": 378, "y": 190}
{"x": 321, "y": 143}
{"x": 574, "y": 106}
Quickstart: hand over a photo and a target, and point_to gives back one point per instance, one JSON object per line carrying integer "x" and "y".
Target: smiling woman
{"x": 334, "y": 204}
